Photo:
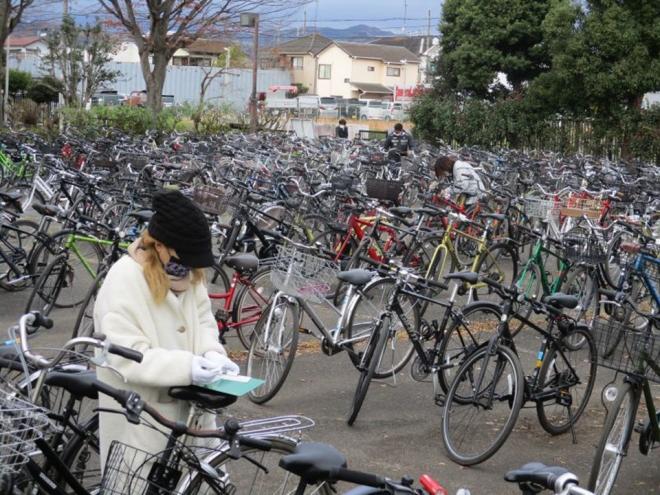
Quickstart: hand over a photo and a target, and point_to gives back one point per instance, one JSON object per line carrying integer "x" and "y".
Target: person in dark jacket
{"x": 341, "y": 131}
{"x": 399, "y": 141}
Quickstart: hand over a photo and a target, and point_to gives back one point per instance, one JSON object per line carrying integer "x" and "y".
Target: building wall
{"x": 361, "y": 72}
{"x": 127, "y": 52}
{"x": 305, "y": 75}
{"x": 341, "y": 70}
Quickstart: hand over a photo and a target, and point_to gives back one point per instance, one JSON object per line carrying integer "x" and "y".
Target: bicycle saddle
{"x": 11, "y": 195}
{"x": 242, "y": 262}
{"x": 560, "y": 300}
{"x": 467, "y": 277}
{"x": 401, "y": 211}
{"x": 537, "y": 474}
{"x": 46, "y": 210}
{"x": 357, "y": 277}
{"x": 313, "y": 462}
{"x": 495, "y": 216}
{"x": 141, "y": 215}
{"x": 79, "y": 383}
{"x": 204, "y": 397}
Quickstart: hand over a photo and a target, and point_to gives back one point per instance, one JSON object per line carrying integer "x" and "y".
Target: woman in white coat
{"x": 154, "y": 300}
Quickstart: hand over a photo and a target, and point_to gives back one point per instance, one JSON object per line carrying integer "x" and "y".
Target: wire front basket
{"x": 384, "y": 190}
{"x": 212, "y": 200}
{"x": 582, "y": 247}
{"x": 541, "y": 208}
{"x": 21, "y": 423}
{"x": 131, "y": 470}
{"x": 626, "y": 349}
{"x": 303, "y": 275}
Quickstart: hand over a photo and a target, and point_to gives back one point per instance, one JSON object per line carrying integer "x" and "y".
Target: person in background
{"x": 463, "y": 177}
{"x": 341, "y": 131}
{"x": 399, "y": 141}
{"x": 154, "y": 300}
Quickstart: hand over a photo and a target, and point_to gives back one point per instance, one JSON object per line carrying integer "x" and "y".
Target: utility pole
{"x": 65, "y": 7}
{"x": 249, "y": 19}
{"x": 428, "y": 28}
{"x": 405, "y": 15}
{"x": 304, "y": 31}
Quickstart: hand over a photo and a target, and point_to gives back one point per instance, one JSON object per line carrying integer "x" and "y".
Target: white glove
{"x": 222, "y": 365}
{"x": 203, "y": 371}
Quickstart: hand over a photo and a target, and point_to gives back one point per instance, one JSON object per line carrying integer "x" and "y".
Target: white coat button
{"x": 181, "y": 329}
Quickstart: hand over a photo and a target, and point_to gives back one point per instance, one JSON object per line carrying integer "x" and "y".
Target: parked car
{"x": 399, "y": 110}
{"x": 107, "y": 98}
{"x": 374, "y": 110}
{"x": 329, "y": 106}
{"x": 139, "y": 99}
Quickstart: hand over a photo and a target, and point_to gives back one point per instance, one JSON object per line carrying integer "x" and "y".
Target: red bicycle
{"x": 237, "y": 304}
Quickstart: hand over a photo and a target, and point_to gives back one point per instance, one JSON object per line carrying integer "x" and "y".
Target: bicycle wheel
{"x": 57, "y": 275}
{"x": 252, "y": 298}
{"x": 365, "y": 312}
{"x": 273, "y": 349}
{"x": 498, "y": 263}
{"x": 613, "y": 445}
{"x": 473, "y": 430}
{"x": 616, "y": 258}
{"x": 19, "y": 243}
{"x": 569, "y": 371}
{"x": 477, "y": 324}
{"x": 370, "y": 360}
{"x": 82, "y": 454}
{"x": 582, "y": 282}
{"x": 84, "y": 325}
{"x": 262, "y": 476}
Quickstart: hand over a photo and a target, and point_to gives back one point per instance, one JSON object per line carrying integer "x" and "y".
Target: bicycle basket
{"x": 342, "y": 182}
{"x": 385, "y": 190}
{"x": 541, "y": 208}
{"x": 131, "y": 470}
{"x": 303, "y": 275}
{"x": 580, "y": 247}
{"x": 21, "y": 423}
{"x": 626, "y": 349}
{"x": 210, "y": 199}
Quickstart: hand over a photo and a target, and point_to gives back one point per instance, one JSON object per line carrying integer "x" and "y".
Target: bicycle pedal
{"x": 640, "y": 427}
{"x": 305, "y": 331}
{"x": 440, "y": 400}
{"x": 221, "y": 315}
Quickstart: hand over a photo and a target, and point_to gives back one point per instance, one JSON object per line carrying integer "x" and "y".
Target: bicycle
{"x": 633, "y": 351}
{"x": 492, "y": 376}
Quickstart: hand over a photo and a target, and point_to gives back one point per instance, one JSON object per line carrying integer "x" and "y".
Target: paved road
{"x": 398, "y": 431}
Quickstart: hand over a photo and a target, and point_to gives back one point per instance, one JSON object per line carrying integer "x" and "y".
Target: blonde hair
{"x": 154, "y": 272}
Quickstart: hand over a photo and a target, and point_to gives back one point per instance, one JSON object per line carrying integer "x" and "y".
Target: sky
{"x": 390, "y": 15}
{"x": 385, "y": 14}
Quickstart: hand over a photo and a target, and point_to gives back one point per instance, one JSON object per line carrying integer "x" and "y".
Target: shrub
{"x": 19, "y": 81}
{"x": 45, "y": 89}
{"x": 26, "y": 112}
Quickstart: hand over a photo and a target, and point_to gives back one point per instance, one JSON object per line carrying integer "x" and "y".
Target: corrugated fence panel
{"x": 232, "y": 88}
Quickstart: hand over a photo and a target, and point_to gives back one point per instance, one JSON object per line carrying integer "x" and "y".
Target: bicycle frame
{"x": 71, "y": 245}
{"x": 537, "y": 259}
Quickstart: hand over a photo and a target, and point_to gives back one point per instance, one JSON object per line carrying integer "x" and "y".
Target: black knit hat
{"x": 179, "y": 224}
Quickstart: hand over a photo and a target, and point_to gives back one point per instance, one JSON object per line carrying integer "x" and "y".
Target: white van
{"x": 374, "y": 110}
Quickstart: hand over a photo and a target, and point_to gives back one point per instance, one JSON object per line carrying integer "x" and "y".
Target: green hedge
{"x": 513, "y": 123}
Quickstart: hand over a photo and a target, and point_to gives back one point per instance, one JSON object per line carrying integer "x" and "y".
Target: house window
{"x": 296, "y": 63}
{"x": 324, "y": 71}
{"x": 393, "y": 72}
{"x": 370, "y": 68}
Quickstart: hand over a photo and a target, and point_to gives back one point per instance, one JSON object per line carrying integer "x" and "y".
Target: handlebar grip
{"x": 41, "y": 321}
{"x": 357, "y": 478}
{"x": 125, "y": 352}
{"x": 255, "y": 443}
{"x": 121, "y": 396}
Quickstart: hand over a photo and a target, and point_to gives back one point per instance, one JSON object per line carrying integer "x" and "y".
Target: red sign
{"x": 407, "y": 93}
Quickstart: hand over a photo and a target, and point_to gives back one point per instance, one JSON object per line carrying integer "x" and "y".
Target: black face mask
{"x": 175, "y": 268}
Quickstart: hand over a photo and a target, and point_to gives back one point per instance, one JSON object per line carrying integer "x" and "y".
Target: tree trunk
{"x": 154, "y": 78}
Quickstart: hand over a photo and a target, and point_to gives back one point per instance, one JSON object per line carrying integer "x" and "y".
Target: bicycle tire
{"x": 372, "y": 356}
{"x": 446, "y": 352}
{"x": 84, "y": 324}
{"x": 400, "y": 354}
{"x": 266, "y": 350}
{"x": 59, "y": 269}
{"x": 280, "y": 446}
{"x": 615, "y": 438}
{"x": 514, "y": 398}
{"x": 28, "y": 229}
{"x": 245, "y": 306}
{"x": 507, "y": 275}
{"x": 78, "y": 451}
{"x": 611, "y": 268}
{"x": 569, "y": 343}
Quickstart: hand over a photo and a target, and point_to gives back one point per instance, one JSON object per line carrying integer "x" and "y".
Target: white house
{"x": 25, "y": 48}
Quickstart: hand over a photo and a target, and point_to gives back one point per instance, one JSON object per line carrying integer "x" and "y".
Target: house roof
{"x": 385, "y": 53}
{"x": 313, "y": 43}
{"x": 372, "y": 88}
{"x": 19, "y": 41}
{"x": 416, "y": 44}
{"x": 203, "y": 45}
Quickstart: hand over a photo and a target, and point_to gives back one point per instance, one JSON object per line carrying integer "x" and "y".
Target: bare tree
{"x": 160, "y": 27}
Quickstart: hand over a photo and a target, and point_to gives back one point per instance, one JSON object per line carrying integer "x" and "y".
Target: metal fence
{"x": 232, "y": 88}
